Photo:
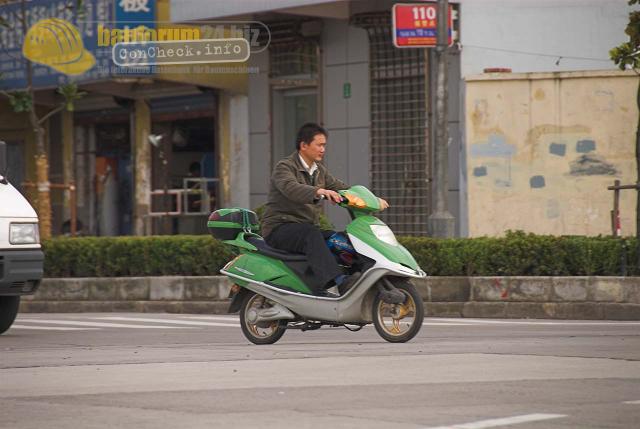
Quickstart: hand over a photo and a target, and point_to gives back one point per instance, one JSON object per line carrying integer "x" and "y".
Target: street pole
{"x": 638, "y": 183}
{"x": 441, "y": 223}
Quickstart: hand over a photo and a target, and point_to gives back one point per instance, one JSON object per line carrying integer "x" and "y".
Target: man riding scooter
{"x": 292, "y": 213}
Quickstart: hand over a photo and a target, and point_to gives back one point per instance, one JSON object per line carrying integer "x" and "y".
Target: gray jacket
{"x": 292, "y": 194}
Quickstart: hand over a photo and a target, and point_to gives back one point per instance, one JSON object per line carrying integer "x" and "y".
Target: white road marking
{"x": 434, "y": 321}
{"x": 447, "y": 324}
{"x": 537, "y": 322}
{"x": 174, "y": 322}
{"x": 230, "y": 319}
{"x": 428, "y": 321}
{"x": 95, "y": 324}
{"x": 632, "y": 402}
{"x": 492, "y": 423}
{"x": 51, "y": 328}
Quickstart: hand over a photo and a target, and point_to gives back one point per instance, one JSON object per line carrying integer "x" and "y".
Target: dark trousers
{"x": 309, "y": 240}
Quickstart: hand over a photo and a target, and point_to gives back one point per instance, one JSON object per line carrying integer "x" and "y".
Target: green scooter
{"x": 270, "y": 286}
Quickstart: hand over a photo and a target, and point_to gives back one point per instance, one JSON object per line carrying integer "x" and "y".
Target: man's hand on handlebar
{"x": 332, "y": 196}
{"x": 336, "y": 198}
{"x": 383, "y": 204}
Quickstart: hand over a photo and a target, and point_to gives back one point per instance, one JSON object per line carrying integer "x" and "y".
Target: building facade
{"x": 533, "y": 149}
{"x": 334, "y": 62}
{"x": 148, "y": 152}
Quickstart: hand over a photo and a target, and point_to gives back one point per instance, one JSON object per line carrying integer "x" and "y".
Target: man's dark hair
{"x": 307, "y": 132}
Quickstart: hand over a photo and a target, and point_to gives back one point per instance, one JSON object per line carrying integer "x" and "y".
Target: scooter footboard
{"x": 307, "y": 306}
{"x": 354, "y": 306}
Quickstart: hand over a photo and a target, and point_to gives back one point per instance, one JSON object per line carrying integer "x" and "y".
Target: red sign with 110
{"x": 415, "y": 25}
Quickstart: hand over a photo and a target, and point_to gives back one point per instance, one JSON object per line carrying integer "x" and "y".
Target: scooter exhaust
{"x": 275, "y": 312}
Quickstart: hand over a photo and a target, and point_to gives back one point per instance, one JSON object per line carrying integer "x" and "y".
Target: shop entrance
{"x": 184, "y": 175}
{"x": 113, "y": 180}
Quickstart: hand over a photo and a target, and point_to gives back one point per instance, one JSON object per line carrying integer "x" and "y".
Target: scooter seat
{"x": 267, "y": 250}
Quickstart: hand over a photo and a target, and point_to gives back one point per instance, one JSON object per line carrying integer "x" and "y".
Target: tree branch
{"x": 51, "y": 113}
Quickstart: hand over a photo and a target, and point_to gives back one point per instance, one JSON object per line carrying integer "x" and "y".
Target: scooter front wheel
{"x": 398, "y": 323}
{"x": 261, "y": 332}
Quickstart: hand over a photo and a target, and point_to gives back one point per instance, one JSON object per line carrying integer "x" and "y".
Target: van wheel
{"x": 259, "y": 333}
{"x": 8, "y": 311}
{"x": 398, "y": 323}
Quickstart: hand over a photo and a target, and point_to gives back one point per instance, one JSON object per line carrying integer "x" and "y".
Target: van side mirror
{"x": 3, "y": 160}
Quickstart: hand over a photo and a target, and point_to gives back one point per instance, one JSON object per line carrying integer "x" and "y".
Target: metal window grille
{"x": 294, "y": 59}
{"x": 399, "y": 134}
{"x": 290, "y": 52}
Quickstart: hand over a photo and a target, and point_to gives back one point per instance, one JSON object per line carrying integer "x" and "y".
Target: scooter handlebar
{"x": 324, "y": 197}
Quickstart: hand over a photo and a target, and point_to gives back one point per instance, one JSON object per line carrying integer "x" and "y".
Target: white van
{"x": 21, "y": 258}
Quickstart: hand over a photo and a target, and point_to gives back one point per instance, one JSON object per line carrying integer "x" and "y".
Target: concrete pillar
{"x": 441, "y": 223}
{"x": 233, "y": 144}
{"x": 142, "y": 167}
{"x": 224, "y": 148}
{"x": 90, "y": 171}
{"x": 240, "y": 163}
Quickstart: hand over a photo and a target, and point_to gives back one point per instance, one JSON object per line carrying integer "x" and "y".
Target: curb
{"x": 526, "y": 310}
{"x": 586, "y": 298}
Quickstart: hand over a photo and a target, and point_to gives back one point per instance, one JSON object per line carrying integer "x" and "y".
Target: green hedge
{"x": 198, "y": 255}
{"x": 515, "y": 254}
{"x": 520, "y": 254}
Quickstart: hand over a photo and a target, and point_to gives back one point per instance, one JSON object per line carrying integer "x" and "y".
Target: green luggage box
{"x": 226, "y": 224}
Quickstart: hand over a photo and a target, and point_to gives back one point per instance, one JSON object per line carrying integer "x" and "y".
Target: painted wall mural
{"x": 542, "y": 149}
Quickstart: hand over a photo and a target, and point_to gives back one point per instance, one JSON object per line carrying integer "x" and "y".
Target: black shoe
{"x": 349, "y": 282}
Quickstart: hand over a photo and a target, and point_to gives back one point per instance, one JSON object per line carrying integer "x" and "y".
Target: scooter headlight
{"x": 384, "y": 233}
{"x": 24, "y": 233}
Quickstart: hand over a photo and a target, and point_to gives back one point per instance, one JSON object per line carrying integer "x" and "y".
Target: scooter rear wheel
{"x": 259, "y": 333}
{"x": 398, "y": 323}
